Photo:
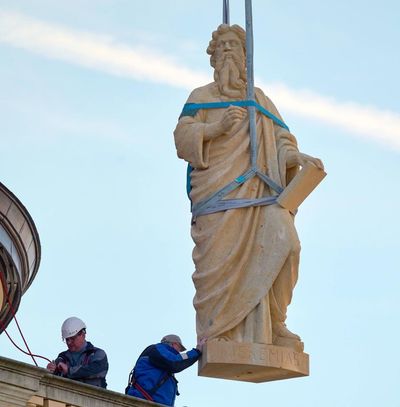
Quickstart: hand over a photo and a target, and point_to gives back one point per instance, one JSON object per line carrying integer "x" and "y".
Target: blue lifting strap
{"x": 215, "y": 202}
{"x": 190, "y": 109}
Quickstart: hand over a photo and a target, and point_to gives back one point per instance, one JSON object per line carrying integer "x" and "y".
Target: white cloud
{"x": 93, "y": 51}
{"x": 367, "y": 121}
{"x": 105, "y": 54}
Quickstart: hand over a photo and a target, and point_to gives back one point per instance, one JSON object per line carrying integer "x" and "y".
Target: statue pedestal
{"x": 251, "y": 362}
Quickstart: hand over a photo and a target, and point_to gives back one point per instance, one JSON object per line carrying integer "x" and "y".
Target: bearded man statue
{"x": 246, "y": 259}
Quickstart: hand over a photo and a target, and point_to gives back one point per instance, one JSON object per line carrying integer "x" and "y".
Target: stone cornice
{"x": 19, "y": 382}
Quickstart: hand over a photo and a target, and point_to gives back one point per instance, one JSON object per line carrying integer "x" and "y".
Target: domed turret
{"x": 19, "y": 253}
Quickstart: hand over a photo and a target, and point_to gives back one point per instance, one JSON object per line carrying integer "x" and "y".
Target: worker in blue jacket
{"x": 153, "y": 375}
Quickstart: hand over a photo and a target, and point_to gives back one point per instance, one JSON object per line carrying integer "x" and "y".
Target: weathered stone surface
{"x": 26, "y": 385}
{"x": 251, "y": 362}
{"x": 246, "y": 253}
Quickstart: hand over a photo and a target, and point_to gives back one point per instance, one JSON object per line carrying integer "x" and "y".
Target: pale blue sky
{"x": 90, "y": 95}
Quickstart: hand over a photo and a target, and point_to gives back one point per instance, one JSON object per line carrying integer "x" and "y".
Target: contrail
{"x": 366, "y": 121}
{"x": 103, "y": 53}
{"x": 98, "y": 52}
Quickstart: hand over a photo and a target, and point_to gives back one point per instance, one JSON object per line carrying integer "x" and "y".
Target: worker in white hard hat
{"x": 153, "y": 378}
{"x": 82, "y": 361}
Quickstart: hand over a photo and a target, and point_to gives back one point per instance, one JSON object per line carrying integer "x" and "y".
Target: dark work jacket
{"x": 90, "y": 367}
{"x": 159, "y": 363}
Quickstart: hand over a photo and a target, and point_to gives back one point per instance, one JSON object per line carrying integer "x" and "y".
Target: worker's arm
{"x": 97, "y": 367}
{"x": 164, "y": 358}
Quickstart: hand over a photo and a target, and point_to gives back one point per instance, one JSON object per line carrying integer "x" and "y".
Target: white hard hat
{"x": 71, "y": 326}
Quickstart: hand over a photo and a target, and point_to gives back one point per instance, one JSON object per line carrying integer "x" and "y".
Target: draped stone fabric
{"x": 246, "y": 260}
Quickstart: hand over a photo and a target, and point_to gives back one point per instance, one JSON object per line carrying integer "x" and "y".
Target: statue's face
{"x": 229, "y": 64}
{"x": 228, "y": 44}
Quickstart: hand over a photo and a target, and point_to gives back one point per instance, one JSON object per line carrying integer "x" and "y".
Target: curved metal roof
{"x": 20, "y": 253}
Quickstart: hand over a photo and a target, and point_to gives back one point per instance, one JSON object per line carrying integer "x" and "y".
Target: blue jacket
{"x": 154, "y": 372}
{"x": 89, "y": 366}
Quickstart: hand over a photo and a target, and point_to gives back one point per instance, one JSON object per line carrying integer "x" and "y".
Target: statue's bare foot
{"x": 279, "y": 329}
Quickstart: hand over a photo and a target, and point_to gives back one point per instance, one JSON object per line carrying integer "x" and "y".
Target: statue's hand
{"x": 297, "y": 158}
{"x": 232, "y": 115}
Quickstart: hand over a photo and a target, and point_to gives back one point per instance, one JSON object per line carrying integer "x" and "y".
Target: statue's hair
{"x": 222, "y": 29}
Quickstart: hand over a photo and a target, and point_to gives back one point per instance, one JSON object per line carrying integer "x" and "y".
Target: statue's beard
{"x": 230, "y": 75}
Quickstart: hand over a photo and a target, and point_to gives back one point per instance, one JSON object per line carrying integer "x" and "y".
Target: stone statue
{"x": 246, "y": 259}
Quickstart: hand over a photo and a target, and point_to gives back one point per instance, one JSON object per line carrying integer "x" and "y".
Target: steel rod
{"x": 225, "y": 12}
{"x": 250, "y": 83}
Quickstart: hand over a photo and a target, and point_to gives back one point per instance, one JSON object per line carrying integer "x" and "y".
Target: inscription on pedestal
{"x": 251, "y": 362}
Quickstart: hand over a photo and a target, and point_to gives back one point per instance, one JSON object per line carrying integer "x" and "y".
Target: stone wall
{"x": 24, "y": 385}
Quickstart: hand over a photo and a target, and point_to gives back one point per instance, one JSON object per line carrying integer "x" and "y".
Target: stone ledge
{"x": 19, "y": 382}
{"x": 249, "y": 362}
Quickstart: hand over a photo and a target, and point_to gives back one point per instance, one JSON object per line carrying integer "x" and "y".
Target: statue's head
{"x": 216, "y": 40}
{"x": 228, "y": 58}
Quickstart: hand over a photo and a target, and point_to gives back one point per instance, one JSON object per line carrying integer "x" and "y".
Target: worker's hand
{"x": 51, "y": 367}
{"x": 63, "y": 367}
{"x": 200, "y": 344}
{"x": 232, "y": 115}
{"x": 296, "y": 158}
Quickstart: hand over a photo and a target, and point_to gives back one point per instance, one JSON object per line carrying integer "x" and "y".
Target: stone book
{"x": 301, "y": 186}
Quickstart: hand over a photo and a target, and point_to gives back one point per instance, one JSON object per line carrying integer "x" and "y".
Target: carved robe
{"x": 246, "y": 260}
